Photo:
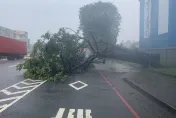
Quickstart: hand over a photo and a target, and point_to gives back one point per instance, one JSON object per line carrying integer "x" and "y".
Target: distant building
{"x": 158, "y": 29}
{"x": 20, "y": 35}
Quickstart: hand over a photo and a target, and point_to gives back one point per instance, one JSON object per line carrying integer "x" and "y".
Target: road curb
{"x": 145, "y": 93}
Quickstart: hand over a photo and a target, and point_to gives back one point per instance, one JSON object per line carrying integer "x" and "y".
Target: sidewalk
{"x": 159, "y": 86}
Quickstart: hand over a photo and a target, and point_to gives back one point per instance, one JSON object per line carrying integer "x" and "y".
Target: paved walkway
{"x": 160, "y": 86}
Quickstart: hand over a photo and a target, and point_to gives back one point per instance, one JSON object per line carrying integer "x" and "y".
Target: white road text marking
{"x": 80, "y": 113}
{"x": 60, "y": 113}
{"x": 88, "y": 112}
{"x": 71, "y": 113}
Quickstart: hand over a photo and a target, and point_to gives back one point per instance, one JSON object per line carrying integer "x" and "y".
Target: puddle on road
{"x": 114, "y": 66}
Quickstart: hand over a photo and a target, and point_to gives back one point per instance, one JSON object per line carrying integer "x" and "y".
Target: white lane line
{"x": 20, "y": 96}
{"x": 60, "y": 113}
{"x": 14, "y": 84}
{"x": 12, "y": 66}
{"x": 25, "y": 87}
{"x": 35, "y": 80}
{"x": 11, "y": 98}
{"x": 30, "y": 83}
{"x": 3, "y": 106}
{"x": 13, "y": 93}
{"x": 80, "y": 113}
{"x": 70, "y": 114}
{"x": 88, "y": 112}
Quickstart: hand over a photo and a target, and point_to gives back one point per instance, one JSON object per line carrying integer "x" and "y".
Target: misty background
{"x": 38, "y": 16}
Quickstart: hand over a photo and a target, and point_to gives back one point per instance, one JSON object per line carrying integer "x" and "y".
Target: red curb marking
{"x": 118, "y": 94}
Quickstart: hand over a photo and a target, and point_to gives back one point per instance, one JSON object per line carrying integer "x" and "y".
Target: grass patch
{"x": 126, "y": 62}
{"x": 167, "y": 71}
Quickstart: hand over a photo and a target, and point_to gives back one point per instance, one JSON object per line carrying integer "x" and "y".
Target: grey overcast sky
{"x": 38, "y": 16}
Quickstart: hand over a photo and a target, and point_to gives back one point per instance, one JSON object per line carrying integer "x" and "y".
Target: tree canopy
{"x": 54, "y": 56}
{"x": 101, "y": 20}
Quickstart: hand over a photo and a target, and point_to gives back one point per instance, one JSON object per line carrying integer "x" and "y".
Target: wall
{"x": 172, "y": 23}
{"x": 162, "y": 36}
{"x": 167, "y": 56}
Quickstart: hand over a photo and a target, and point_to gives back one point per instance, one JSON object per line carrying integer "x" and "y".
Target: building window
{"x": 163, "y": 16}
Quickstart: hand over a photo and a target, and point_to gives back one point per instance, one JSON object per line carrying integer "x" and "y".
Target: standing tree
{"x": 100, "y": 20}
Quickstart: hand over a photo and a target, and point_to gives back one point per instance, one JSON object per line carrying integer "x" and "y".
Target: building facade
{"x": 157, "y": 24}
{"x": 158, "y": 29}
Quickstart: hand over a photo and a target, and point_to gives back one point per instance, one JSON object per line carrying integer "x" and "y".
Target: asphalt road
{"x": 8, "y": 73}
{"x": 98, "y": 93}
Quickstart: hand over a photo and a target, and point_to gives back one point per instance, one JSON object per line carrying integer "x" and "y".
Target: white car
{"x": 27, "y": 57}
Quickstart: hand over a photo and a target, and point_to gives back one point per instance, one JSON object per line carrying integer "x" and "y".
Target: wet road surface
{"x": 8, "y": 73}
{"x": 98, "y": 93}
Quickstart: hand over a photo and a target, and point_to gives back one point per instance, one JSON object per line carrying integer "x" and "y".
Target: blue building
{"x": 157, "y": 23}
{"x": 158, "y": 29}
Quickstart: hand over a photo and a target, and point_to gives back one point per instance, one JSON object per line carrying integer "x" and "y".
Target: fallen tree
{"x": 57, "y": 55}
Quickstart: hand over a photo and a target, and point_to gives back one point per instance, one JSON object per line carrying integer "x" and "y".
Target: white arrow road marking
{"x": 17, "y": 98}
{"x": 70, "y": 114}
{"x": 60, "y": 113}
{"x": 80, "y": 113}
{"x": 25, "y": 87}
{"x": 88, "y": 112}
{"x": 11, "y": 98}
